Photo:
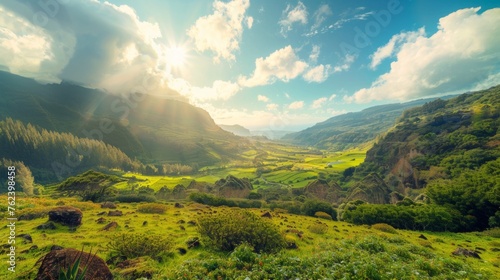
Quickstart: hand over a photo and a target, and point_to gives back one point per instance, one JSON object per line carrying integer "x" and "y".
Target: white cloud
{"x": 319, "y": 102}
{"x": 317, "y": 74}
{"x": 393, "y": 46}
{"x": 85, "y": 42}
{"x": 313, "y": 57}
{"x": 282, "y": 64}
{"x": 296, "y": 105}
{"x": 272, "y": 106}
{"x": 332, "y": 97}
{"x": 463, "y": 53}
{"x": 291, "y": 16}
{"x": 345, "y": 64}
{"x": 249, "y": 21}
{"x": 262, "y": 98}
{"x": 221, "y": 31}
{"x": 320, "y": 16}
{"x": 220, "y": 90}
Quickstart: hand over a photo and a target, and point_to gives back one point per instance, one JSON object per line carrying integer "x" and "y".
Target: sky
{"x": 265, "y": 65}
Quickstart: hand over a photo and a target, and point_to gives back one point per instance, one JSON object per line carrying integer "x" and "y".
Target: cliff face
{"x": 322, "y": 190}
{"x": 371, "y": 189}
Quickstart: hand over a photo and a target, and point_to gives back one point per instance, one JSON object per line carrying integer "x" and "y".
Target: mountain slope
{"x": 351, "y": 129}
{"x": 147, "y": 127}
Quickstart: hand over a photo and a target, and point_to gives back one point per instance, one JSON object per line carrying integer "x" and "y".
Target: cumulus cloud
{"x": 292, "y": 15}
{"x": 220, "y": 90}
{"x": 272, "y": 106}
{"x": 332, "y": 97}
{"x": 394, "y": 45}
{"x": 345, "y": 64}
{"x": 262, "y": 98}
{"x": 221, "y": 31}
{"x": 89, "y": 43}
{"x": 319, "y": 102}
{"x": 317, "y": 74}
{"x": 460, "y": 55}
{"x": 282, "y": 64}
{"x": 296, "y": 105}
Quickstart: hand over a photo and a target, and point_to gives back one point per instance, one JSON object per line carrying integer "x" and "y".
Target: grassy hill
{"x": 352, "y": 129}
{"x": 150, "y": 128}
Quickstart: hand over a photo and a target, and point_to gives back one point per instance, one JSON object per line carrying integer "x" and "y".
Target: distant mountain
{"x": 149, "y": 128}
{"x": 271, "y": 134}
{"x": 236, "y": 129}
{"x": 352, "y": 129}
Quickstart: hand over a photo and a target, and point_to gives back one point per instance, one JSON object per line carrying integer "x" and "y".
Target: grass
{"x": 361, "y": 240}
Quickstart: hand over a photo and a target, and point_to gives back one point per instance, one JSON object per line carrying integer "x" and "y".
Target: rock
{"x": 192, "y": 223}
{"x": 57, "y": 260}
{"x": 48, "y": 225}
{"x": 178, "y": 205}
{"x": 145, "y": 223}
{"x": 115, "y": 213}
{"x": 182, "y": 228}
{"x": 266, "y": 215}
{"x": 27, "y": 238}
{"x": 466, "y": 253}
{"x": 101, "y": 213}
{"x": 109, "y": 205}
{"x": 181, "y": 221}
{"x": 56, "y": 247}
{"x": 66, "y": 215}
{"x": 181, "y": 251}
{"x": 101, "y": 220}
{"x": 421, "y": 236}
{"x": 110, "y": 226}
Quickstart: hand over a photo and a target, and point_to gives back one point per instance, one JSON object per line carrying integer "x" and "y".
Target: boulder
{"x": 48, "y": 225}
{"x": 266, "y": 215}
{"x": 66, "y": 215}
{"x": 466, "y": 253}
{"x": 115, "y": 213}
{"x": 57, "y": 260}
{"x": 110, "y": 226}
{"x": 109, "y": 205}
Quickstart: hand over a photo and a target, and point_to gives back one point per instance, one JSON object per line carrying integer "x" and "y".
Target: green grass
{"x": 361, "y": 241}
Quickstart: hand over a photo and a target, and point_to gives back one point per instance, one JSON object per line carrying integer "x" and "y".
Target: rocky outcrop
{"x": 233, "y": 187}
{"x": 66, "y": 215}
{"x": 371, "y": 189}
{"x": 58, "y": 260}
{"x": 322, "y": 190}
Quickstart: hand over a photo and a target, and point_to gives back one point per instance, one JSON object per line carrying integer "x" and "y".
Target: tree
{"x": 91, "y": 185}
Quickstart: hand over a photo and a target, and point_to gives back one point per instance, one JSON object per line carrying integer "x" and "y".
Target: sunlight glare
{"x": 176, "y": 56}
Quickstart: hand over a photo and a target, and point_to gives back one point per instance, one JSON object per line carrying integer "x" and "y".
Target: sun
{"x": 176, "y": 56}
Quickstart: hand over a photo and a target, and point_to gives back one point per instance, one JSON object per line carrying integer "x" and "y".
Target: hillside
{"x": 146, "y": 127}
{"x": 236, "y": 129}
{"x": 452, "y": 149}
{"x": 352, "y": 129}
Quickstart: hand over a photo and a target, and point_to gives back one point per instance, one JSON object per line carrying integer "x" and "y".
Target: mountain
{"x": 448, "y": 150}
{"x": 149, "y": 128}
{"x": 236, "y": 129}
{"x": 352, "y": 129}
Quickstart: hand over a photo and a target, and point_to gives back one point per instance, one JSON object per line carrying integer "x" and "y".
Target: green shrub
{"x": 494, "y": 232}
{"x": 318, "y": 228}
{"x": 385, "y": 228}
{"x": 243, "y": 256}
{"x": 226, "y": 231}
{"x": 33, "y": 213}
{"x": 152, "y": 208}
{"x": 323, "y": 215}
{"x": 310, "y": 207}
{"x": 131, "y": 245}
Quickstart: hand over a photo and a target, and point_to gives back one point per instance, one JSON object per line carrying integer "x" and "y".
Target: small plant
{"x": 323, "y": 215}
{"x": 152, "y": 208}
{"x": 137, "y": 245}
{"x": 72, "y": 272}
{"x": 318, "y": 228}
{"x": 385, "y": 228}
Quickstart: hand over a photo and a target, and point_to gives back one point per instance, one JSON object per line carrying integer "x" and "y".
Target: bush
{"x": 226, "y": 231}
{"x": 137, "y": 245}
{"x": 33, "y": 213}
{"x": 318, "y": 228}
{"x": 384, "y": 227}
{"x": 310, "y": 207}
{"x": 152, "y": 208}
{"x": 322, "y": 215}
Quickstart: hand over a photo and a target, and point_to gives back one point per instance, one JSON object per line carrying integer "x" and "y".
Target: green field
{"x": 403, "y": 248}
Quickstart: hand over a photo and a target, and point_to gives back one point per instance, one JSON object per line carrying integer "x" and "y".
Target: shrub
{"x": 310, "y": 207}
{"x": 494, "y": 232}
{"x": 152, "y": 208}
{"x": 318, "y": 228}
{"x": 323, "y": 215}
{"x": 131, "y": 245}
{"x": 33, "y": 213}
{"x": 226, "y": 231}
{"x": 243, "y": 256}
{"x": 385, "y": 228}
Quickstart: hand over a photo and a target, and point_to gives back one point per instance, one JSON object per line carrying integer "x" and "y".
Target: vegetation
{"x": 91, "y": 185}
{"x": 133, "y": 245}
{"x": 226, "y": 231}
{"x": 152, "y": 208}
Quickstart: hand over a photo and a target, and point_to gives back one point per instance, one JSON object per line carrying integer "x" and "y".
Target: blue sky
{"x": 279, "y": 65}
